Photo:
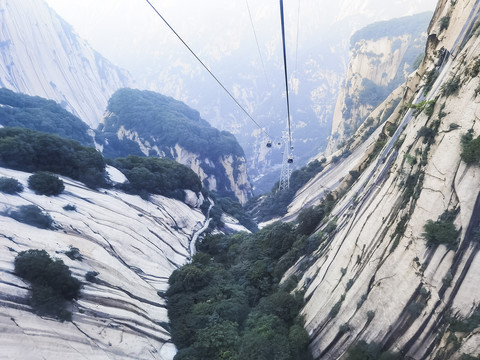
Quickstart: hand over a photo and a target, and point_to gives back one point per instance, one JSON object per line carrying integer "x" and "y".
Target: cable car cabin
{"x": 290, "y": 160}
{"x": 269, "y": 144}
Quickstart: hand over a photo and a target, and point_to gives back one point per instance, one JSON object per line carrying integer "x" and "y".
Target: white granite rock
{"x": 133, "y": 244}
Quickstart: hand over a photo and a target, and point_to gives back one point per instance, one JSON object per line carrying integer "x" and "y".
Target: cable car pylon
{"x": 286, "y": 170}
{"x": 287, "y": 135}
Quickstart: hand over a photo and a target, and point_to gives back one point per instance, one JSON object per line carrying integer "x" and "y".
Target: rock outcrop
{"x": 133, "y": 245}
{"x": 378, "y": 276}
{"x": 381, "y": 57}
{"x": 150, "y": 124}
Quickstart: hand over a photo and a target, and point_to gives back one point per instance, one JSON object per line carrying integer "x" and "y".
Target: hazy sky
{"x": 125, "y": 30}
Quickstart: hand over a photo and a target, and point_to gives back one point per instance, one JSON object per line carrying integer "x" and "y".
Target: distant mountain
{"x": 40, "y": 54}
{"x": 150, "y": 124}
{"x": 318, "y": 34}
{"x": 382, "y": 55}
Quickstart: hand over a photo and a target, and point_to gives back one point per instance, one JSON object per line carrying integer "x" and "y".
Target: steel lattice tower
{"x": 286, "y": 171}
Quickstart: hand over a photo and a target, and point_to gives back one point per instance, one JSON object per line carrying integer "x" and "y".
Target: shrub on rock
{"x": 45, "y": 183}
{"x": 52, "y": 282}
{"x": 32, "y": 215}
{"x": 10, "y": 185}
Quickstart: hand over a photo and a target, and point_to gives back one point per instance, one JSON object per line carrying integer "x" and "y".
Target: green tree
{"x": 442, "y": 231}
{"x": 218, "y": 341}
{"x": 10, "y": 185}
{"x": 298, "y": 341}
{"x": 309, "y": 219}
{"x": 282, "y": 304}
{"x": 36, "y": 113}
{"x": 157, "y": 176}
{"x": 32, "y": 151}
{"x": 265, "y": 338}
{"x": 52, "y": 282}
{"x": 45, "y": 183}
{"x": 471, "y": 151}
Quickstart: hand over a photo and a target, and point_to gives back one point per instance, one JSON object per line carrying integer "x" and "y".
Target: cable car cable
{"x": 206, "y": 68}
{"x": 286, "y": 74}
{"x": 256, "y": 40}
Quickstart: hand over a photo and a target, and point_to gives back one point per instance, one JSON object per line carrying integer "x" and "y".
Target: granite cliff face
{"x": 40, "y": 54}
{"x": 380, "y": 275}
{"x": 382, "y": 55}
{"x": 225, "y": 174}
{"x": 133, "y": 245}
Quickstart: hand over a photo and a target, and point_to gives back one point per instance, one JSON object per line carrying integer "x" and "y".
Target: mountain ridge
{"x": 151, "y": 124}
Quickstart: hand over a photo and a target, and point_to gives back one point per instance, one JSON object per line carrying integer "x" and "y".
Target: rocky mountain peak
{"x": 40, "y": 54}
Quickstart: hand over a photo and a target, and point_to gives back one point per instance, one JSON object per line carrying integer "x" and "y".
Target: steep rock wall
{"x": 375, "y": 278}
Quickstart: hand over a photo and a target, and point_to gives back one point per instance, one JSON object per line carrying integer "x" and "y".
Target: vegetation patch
{"x": 461, "y": 327}
{"x": 10, "y": 186}
{"x": 31, "y": 151}
{"x": 32, "y": 215}
{"x": 444, "y": 23}
{"x": 426, "y": 106}
{"x": 399, "y": 231}
{"x": 413, "y": 187}
{"x": 36, "y": 113}
{"x": 373, "y": 94}
{"x": 53, "y": 285}
{"x": 228, "y": 302}
{"x": 156, "y": 176}
{"x": 360, "y": 302}
{"x": 391, "y": 128}
{"x": 475, "y": 69}
{"x": 309, "y": 219}
{"x": 451, "y": 86}
{"x": 91, "y": 276}
{"x": 470, "y": 149}
{"x": 443, "y": 231}
{"x": 411, "y": 160}
{"x": 415, "y": 24}
{"x": 336, "y": 308}
{"x": 74, "y": 253}
{"x": 468, "y": 324}
{"x": 415, "y": 308}
{"x": 431, "y": 77}
{"x": 276, "y": 202}
{"x": 377, "y": 148}
{"x": 427, "y": 133}
{"x": 231, "y": 206}
{"x": 164, "y": 122}
{"x": 45, "y": 183}
{"x": 69, "y": 207}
